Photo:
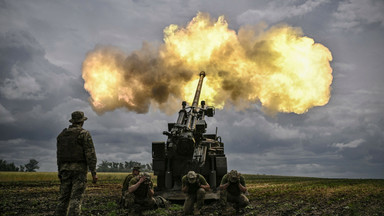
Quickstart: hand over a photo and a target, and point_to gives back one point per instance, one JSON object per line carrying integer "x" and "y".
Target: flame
{"x": 278, "y": 66}
{"x": 105, "y": 81}
{"x": 206, "y": 94}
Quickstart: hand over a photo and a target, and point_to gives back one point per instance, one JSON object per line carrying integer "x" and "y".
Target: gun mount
{"x": 189, "y": 148}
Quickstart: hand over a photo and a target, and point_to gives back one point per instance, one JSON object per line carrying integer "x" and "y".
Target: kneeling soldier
{"x": 124, "y": 191}
{"x": 141, "y": 193}
{"x": 194, "y": 185}
{"x": 232, "y": 190}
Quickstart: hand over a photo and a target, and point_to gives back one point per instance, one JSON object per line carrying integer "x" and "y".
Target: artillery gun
{"x": 189, "y": 148}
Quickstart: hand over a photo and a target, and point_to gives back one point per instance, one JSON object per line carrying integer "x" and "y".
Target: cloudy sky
{"x": 43, "y": 45}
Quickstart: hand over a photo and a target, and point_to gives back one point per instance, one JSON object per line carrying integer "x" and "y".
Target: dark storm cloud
{"x": 30, "y": 84}
{"x": 23, "y": 91}
{"x": 33, "y": 95}
{"x": 42, "y": 46}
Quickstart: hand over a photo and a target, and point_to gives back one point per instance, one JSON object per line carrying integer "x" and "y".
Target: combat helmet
{"x": 147, "y": 177}
{"x": 233, "y": 176}
{"x": 191, "y": 176}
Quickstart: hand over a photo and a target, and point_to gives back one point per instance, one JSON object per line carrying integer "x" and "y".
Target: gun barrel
{"x": 191, "y": 117}
{"x": 198, "y": 90}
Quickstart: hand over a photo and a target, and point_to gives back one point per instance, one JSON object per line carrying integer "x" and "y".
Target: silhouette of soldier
{"x": 75, "y": 155}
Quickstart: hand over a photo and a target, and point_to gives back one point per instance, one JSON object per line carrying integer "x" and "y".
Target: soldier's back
{"x": 126, "y": 182}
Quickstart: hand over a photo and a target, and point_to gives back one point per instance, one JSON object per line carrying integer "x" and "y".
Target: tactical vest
{"x": 69, "y": 149}
{"x": 192, "y": 188}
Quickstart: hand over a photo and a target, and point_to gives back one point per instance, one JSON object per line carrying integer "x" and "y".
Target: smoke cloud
{"x": 278, "y": 66}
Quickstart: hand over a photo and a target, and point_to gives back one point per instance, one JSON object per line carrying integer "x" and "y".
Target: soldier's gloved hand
{"x": 94, "y": 179}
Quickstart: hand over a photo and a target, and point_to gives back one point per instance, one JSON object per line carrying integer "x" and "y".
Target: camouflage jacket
{"x": 143, "y": 190}
{"x": 192, "y": 188}
{"x": 85, "y": 139}
{"x": 233, "y": 188}
{"x": 126, "y": 182}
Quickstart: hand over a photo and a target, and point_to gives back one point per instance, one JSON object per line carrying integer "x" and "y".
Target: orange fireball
{"x": 281, "y": 68}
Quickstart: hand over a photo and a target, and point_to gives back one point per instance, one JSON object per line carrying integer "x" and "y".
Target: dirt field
{"x": 36, "y": 194}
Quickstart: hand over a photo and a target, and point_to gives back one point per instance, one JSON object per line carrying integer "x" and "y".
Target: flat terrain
{"x": 36, "y": 194}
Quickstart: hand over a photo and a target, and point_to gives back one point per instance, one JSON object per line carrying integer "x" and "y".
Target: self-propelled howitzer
{"x": 189, "y": 148}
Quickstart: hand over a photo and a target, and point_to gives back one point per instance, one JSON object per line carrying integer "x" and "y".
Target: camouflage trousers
{"x": 191, "y": 199}
{"x": 73, "y": 184}
{"x": 240, "y": 200}
{"x": 130, "y": 202}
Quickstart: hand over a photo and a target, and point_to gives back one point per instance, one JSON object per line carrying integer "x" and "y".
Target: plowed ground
{"x": 269, "y": 195}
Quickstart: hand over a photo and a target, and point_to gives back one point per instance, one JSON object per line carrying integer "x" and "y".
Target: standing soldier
{"x": 124, "y": 191}
{"x": 140, "y": 196}
{"x": 194, "y": 185}
{"x": 75, "y": 155}
{"x": 232, "y": 188}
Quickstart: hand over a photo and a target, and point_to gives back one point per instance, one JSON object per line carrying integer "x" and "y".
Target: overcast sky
{"x": 43, "y": 45}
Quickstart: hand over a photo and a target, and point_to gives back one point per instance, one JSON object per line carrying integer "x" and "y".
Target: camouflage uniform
{"x": 233, "y": 193}
{"x": 75, "y": 154}
{"x": 140, "y": 199}
{"x": 124, "y": 191}
{"x": 195, "y": 193}
{"x": 126, "y": 183}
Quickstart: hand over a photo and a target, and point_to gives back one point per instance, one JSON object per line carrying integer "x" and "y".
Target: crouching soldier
{"x": 194, "y": 185}
{"x": 140, "y": 196}
{"x": 124, "y": 191}
{"x": 232, "y": 188}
